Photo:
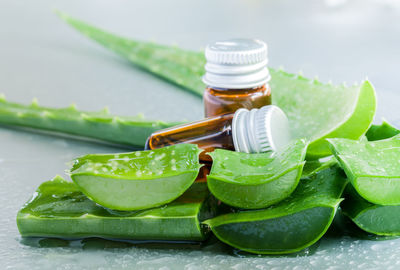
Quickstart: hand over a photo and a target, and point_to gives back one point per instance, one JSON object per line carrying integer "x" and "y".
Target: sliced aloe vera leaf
{"x": 318, "y": 111}
{"x": 372, "y": 167}
{"x": 372, "y": 218}
{"x": 253, "y": 181}
{"x": 289, "y": 226}
{"x": 382, "y": 131}
{"x": 60, "y": 209}
{"x": 130, "y": 131}
{"x": 137, "y": 180}
{"x": 315, "y": 110}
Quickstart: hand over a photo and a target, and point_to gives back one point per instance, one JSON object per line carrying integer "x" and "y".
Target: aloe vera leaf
{"x": 253, "y": 181}
{"x": 372, "y": 167}
{"x": 318, "y": 111}
{"x": 289, "y": 226}
{"x": 372, "y": 218}
{"x": 381, "y": 132}
{"x": 137, "y": 180}
{"x": 315, "y": 110}
{"x": 130, "y": 131}
{"x": 183, "y": 68}
{"x": 60, "y": 209}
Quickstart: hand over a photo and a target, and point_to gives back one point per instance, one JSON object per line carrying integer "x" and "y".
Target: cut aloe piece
{"x": 381, "y": 132}
{"x": 60, "y": 209}
{"x": 137, "y": 180}
{"x": 289, "y": 226}
{"x": 316, "y": 111}
{"x": 372, "y": 167}
{"x": 130, "y": 131}
{"x": 372, "y": 218}
{"x": 256, "y": 180}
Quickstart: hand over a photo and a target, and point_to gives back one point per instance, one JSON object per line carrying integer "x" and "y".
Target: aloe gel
{"x": 372, "y": 218}
{"x": 253, "y": 181}
{"x": 137, "y": 180}
{"x": 289, "y": 226}
{"x": 59, "y": 209}
{"x": 372, "y": 167}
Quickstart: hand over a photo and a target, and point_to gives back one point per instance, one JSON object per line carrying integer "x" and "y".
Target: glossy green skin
{"x": 252, "y": 181}
{"x": 372, "y": 167}
{"x": 315, "y": 110}
{"x": 59, "y": 209}
{"x": 137, "y": 180}
{"x": 289, "y": 226}
{"x": 372, "y": 218}
{"x": 381, "y": 132}
{"x": 130, "y": 131}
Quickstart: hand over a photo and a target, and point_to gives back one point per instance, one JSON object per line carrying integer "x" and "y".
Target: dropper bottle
{"x": 236, "y": 76}
{"x": 250, "y": 131}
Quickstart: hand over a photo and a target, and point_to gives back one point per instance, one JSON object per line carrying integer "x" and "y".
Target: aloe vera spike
{"x": 168, "y": 62}
{"x": 129, "y": 131}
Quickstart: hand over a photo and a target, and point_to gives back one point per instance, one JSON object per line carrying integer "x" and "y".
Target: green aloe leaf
{"x": 137, "y": 180}
{"x": 372, "y": 167}
{"x": 59, "y": 209}
{"x": 289, "y": 226}
{"x": 130, "y": 131}
{"x": 372, "y": 218}
{"x": 382, "y": 131}
{"x": 316, "y": 111}
{"x": 253, "y": 181}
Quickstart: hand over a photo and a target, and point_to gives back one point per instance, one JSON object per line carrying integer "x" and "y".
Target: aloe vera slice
{"x": 372, "y": 167}
{"x": 60, "y": 209}
{"x": 289, "y": 226}
{"x": 315, "y": 110}
{"x": 253, "y": 181}
{"x": 137, "y": 180}
{"x": 372, "y": 218}
{"x": 130, "y": 131}
{"x": 381, "y": 132}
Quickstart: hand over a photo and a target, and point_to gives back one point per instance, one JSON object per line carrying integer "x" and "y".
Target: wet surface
{"x": 42, "y": 57}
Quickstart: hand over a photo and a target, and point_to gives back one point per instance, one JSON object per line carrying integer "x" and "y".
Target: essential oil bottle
{"x": 258, "y": 130}
{"x": 236, "y": 76}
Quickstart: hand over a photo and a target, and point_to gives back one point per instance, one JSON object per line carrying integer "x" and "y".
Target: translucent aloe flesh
{"x": 372, "y": 218}
{"x": 130, "y": 131}
{"x": 316, "y": 111}
{"x": 382, "y": 131}
{"x": 289, "y": 226}
{"x": 137, "y": 180}
{"x": 253, "y": 181}
{"x": 373, "y": 168}
{"x": 60, "y": 209}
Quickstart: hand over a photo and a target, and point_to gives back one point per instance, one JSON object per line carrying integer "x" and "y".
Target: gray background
{"x": 40, "y": 56}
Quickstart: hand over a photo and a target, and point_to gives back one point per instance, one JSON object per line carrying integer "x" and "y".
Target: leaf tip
{"x": 73, "y": 107}
{"x": 2, "y": 97}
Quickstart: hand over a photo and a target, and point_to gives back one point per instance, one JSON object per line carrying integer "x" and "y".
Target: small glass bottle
{"x": 254, "y": 131}
{"x": 236, "y": 76}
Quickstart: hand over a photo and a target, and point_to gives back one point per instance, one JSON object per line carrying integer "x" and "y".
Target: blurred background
{"x": 41, "y": 56}
{"x": 338, "y": 40}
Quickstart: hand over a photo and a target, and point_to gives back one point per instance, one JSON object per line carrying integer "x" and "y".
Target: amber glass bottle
{"x": 255, "y": 131}
{"x": 236, "y": 76}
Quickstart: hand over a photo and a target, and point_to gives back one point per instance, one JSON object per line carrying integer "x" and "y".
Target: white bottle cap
{"x": 260, "y": 130}
{"x": 236, "y": 64}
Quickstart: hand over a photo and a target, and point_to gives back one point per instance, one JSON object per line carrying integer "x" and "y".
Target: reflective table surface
{"x": 40, "y": 56}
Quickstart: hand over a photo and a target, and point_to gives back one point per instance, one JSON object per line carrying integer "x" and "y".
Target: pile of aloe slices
{"x": 268, "y": 203}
